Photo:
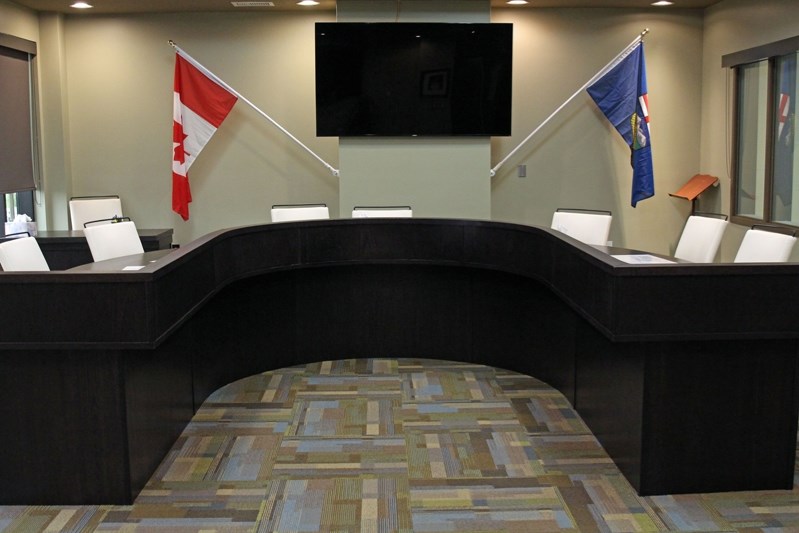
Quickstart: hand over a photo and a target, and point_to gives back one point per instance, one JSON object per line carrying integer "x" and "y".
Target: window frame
{"x": 770, "y": 53}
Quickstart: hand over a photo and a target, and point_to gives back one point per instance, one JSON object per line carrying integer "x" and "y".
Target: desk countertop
{"x": 69, "y": 235}
{"x": 129, "y": 263}
{"x": 625, "y": 302}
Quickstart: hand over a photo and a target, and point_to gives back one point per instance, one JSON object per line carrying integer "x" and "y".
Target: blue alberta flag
{"x": 621, "y": 95}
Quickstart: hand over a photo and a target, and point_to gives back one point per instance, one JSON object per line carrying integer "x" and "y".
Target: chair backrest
{"x": 402, "y": 211}
{"x": 700, "y": 239}
{"x": 759, "y": 246}
{"x": 589, "y": 227}
{"x": 288, "y": 213}
{"x": 22, "y": 254}
{"x": 108, "y": 241}
{"x": 89, "y": 208}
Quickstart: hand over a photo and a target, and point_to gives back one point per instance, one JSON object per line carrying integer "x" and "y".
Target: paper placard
{"x": 642, "y": 259}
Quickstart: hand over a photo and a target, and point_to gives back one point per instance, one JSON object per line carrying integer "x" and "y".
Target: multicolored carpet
{"x": 385, "y": 445}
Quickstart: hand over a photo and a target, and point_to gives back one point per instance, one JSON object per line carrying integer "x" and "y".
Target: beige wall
{"x": 18, "y": 21}
{"x": 106, "y": 105}
{"x": 578, "y": 159}
{"x": 731, "y": 26}
{"x": 120, "y": 74}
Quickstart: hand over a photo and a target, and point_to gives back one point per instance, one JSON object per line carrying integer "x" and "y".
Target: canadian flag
{"x": 199, "y": 107}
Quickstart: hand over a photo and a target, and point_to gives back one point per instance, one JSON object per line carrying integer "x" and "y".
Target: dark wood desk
{"x": 129, "y": 263}
{"x": 65, "y": 249}
{"x": 686, "y": 373}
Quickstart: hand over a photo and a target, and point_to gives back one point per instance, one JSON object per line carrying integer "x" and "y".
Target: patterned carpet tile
{"x": 576, "y": 505}
{"x": 342, "y": 387}
{"x": 548, "y": 412}
{"x": 165, "y": 506}
{"x": 242, "y": 427}
{"x": 572, "y": 454}
{"x": 511, "y": 521}
{"x": 349, "y": 417}
{"x": 222, "y": 457}
{"x": 470, "y": 454}
{"x": 689, "y": 513}
{"x": 610, "y": 502}
{"x": 440, "y": 365}
{"x": 267, "y": 416}
{"x": 333, "y": 457}
{"x": 515, "y": 385}
{"x": 66, "y": 519}
{"x": 764, "y": 510}
{"x": 360, "y": 367}
{"x": 449, "y": 416}
{"x": 482, "y": 495}
{"x": 175, "y": 525}
{"x": 449, "y": 386}
{"x": 268, "y": 388}
{"x": 203, "y": 494}
{"x": 338, "y": 504}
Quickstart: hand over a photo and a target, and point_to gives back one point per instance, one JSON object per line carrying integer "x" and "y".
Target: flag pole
{"x": 613, "y": 62}
{"x": 238, "y": 95}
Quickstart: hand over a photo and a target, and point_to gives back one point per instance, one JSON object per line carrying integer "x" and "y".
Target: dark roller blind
{"x": 16, "y": 152}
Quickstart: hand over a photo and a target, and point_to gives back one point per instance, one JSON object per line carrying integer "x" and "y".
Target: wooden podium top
{"x": 695, "y": 186}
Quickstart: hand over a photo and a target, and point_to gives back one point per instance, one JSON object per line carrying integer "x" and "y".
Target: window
{"x": 785, "y": 200}
{"x": 18, "y": 203}
{"x": 764, "y": 142}
{"x": 17, "y": 126}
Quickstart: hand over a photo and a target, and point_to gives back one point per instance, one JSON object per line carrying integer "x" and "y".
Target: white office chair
{"x": 107, "y": 241}
{"x": 762, "y": 246}
{"x": 84, "y": 209}
{"x": 585, "y": 225}
{"x": 294, "y": 212}
{"x": 700, "y": 238}
{"x": 382, "y": 212}
{"x": 22, "y": 255}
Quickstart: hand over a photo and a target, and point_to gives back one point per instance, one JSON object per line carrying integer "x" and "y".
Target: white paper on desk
{"x": 133, "y": 267}
{"x": 641, "y": 259}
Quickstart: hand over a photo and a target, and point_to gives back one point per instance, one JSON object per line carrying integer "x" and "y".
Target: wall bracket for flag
{"x": 613, "y": 62}
{"x": 238, "y": 95}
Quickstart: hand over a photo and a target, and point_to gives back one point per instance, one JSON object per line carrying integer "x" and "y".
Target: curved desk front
{"x": 687, "y": 374}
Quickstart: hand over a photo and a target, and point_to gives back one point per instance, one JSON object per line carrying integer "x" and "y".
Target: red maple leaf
{"x": 178, "y": 137}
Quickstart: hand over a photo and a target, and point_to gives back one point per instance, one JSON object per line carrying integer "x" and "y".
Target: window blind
{"x": 16, "y": 146}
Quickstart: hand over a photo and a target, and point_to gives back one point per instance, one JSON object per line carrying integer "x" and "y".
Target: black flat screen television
{"x": 413, "y": 79}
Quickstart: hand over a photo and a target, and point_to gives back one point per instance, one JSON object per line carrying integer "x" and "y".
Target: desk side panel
{"x": 586, "y": 283}
{"x": 294, "y": 317}
{"x": 159, "y": 405}
{"x": 180, "y": 291}
{"x": 729, "y": 418}
{"x": 246, "y": 328}
{"x": 382, "y": 241}
{"x": 609, "y": 384}
{"x": 72, "y": 450}
{"x": 706, "y": 302}
{"x": 62, "y": 311}
{"x": 252, "y": 251}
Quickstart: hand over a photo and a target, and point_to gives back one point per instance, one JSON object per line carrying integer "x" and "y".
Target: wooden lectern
{"x": 694, "y": 187}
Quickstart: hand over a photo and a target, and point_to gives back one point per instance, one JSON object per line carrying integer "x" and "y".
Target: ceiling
{"x": 176, "y": 6}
